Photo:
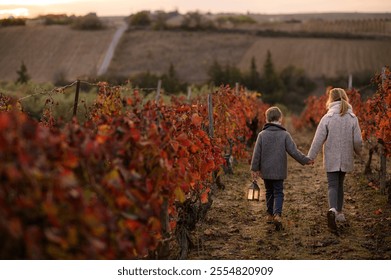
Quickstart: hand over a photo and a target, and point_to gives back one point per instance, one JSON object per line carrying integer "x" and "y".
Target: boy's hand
{"x": 311, "y": 162}
{"x": 255, "y": 174}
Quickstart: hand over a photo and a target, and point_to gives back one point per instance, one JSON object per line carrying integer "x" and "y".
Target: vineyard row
{"x": 122, "y": 183}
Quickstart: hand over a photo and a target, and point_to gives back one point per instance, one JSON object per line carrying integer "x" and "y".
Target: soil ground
{"x": 236, "y": 228}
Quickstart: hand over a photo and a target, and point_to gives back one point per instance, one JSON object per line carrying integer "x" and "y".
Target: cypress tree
{"x": 23, "y": 76}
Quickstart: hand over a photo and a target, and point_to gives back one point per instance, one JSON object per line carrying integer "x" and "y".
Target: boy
{"x": 269, "y": 161}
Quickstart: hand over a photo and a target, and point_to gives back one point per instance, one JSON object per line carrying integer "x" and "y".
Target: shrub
{"x": 12, "y": 22}
{"x": 88, "y": 22}
{"x": 60, "y": 19}
{"x": 140, "y": 19}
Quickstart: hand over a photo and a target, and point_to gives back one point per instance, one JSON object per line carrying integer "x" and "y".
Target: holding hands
{"x": 311, "y": 162}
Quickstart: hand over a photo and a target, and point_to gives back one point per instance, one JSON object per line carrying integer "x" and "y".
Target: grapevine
{"x": 119, "y": 184}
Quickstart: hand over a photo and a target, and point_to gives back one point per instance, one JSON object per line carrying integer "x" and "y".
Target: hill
{"x": 322, "y": 44}
{"x": 192, "y": 53}
{"x": 52, "y": 52}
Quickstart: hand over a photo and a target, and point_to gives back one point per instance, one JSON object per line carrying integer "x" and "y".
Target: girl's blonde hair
{"x": 338, "y": 94}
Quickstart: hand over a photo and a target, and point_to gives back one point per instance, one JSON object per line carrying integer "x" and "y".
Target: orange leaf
{"x": 123, "y": 201}
{"x": 174, "y": 145}
{"x": 135, "y": 133}
{"x": 182, "y": 137}
{"x": 154, "y": 223}
{"x": 185, "y": 143}
{"x": 70, "y": 160}
{"x": 101, "y": 138}
{"x": 15, "y": 227}
{"x": 194, "y": 148}
{"x": 196, "y": 120}
{"x": 132, "y": 225}
{"x": 378, "y": 212}
{"x": 4, "y": 121}
{"x": 172, "y": 224}
{"x": 204, "y": 196}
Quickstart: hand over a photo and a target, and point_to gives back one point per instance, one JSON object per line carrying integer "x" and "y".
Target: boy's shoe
{"x": 269, "y": 219}
{"x": 277, "y": 222}
{"x": 331, "y": 220}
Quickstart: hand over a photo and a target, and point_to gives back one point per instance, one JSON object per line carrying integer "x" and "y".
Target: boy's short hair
{"x": 273, "y": 114}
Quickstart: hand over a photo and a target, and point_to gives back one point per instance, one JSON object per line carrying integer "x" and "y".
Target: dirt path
{"x": 236, "y": 229}
{"x": 110, "y": 51}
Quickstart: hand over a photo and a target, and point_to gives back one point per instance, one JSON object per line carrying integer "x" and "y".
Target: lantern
{"x": 253, "y": 192}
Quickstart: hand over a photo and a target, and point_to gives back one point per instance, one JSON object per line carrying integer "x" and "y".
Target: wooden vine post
{"x": 159, "y": 86}
{"x": 350, "y": 82}
{"x": 75, "y": 104}
{"x": 210, "y": 115}
{"x": 163, "y": 248}
{"x": 188, "y": 94}
{"x": 382, "y": 151}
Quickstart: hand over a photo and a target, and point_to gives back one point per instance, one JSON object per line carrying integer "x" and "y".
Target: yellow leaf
{"x": 179, "y": 194}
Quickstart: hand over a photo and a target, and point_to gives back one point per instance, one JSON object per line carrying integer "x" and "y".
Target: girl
{"x": 340, "y": 135}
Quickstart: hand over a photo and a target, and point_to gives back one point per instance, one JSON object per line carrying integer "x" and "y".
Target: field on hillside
{"x": 192, "y": 53}
{"x": 57, "y": 52}
{"x": 321, "y": 57}
{"x": 52, "y": 52}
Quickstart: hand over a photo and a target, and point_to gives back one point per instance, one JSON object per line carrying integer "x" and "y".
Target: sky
{"x": 32, "y": 8}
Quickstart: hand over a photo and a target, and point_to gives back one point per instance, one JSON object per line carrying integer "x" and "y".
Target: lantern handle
{"x": 253, "y": 181}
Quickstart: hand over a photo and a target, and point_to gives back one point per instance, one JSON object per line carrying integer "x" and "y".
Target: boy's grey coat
{"x": 341, "y": 136}
{"x": 270, "y": 150}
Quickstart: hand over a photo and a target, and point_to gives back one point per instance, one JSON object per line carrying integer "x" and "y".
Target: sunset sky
{"x": 32, "y": 8}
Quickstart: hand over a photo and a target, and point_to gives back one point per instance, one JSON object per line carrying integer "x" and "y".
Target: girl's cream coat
{"x": 340, "y": 137}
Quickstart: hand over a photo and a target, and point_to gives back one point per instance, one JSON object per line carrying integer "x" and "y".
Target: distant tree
{"x": 23, "y": 76}
{"x": 170, "y": 81}
{"x": 145, "y": 80}
{"x": 60, "y": 77}
{"x": 271, "y": 85}
{"x": 59, "y": 19}
{"x": 171, "y": 71}
{"x": 195, "y": 21}
{"x": 192, "y": 21}
{"x": 88, "y": 22}
{"x": 160, "y": 21}
{"x": 252, "y": 80}
{"x": 232, "y": 75}
{"x": 141, "y": 19}
{"x": 235, "y": 20}
{"x": 361, "y": 80}
{"x": 12, "y": 22}
{"x": 216, "y": 73}
{"x": 296, "y": 87}
{"x": 227, "y": 75}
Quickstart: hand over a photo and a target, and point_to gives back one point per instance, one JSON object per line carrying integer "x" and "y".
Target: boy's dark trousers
{"x": 274, "y": 196}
